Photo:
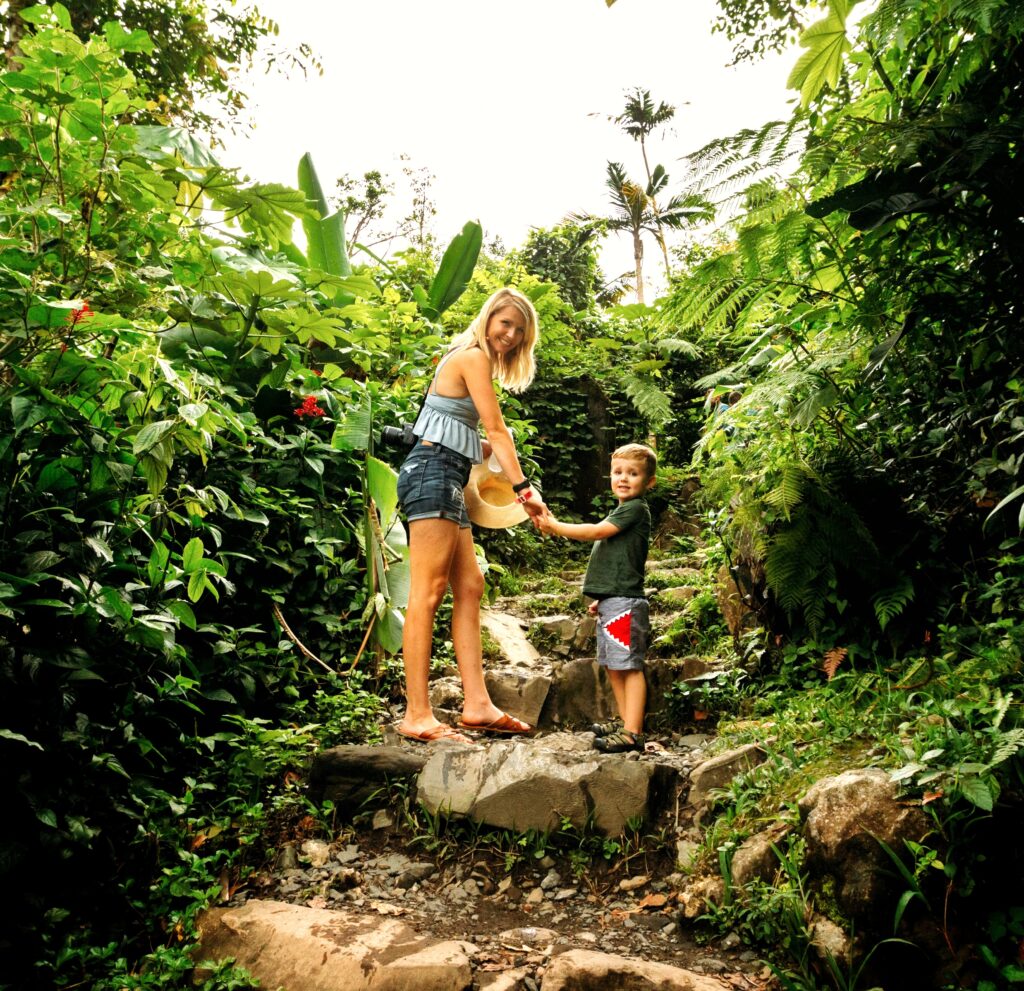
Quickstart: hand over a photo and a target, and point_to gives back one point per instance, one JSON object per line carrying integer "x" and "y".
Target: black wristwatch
{"x": 524, "y": 484}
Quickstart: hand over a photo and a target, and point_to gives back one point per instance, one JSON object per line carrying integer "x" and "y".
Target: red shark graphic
{"x": 619, "y": 628}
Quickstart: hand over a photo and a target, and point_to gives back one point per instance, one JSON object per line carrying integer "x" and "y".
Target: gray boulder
{"x": 534, "y": 784}
{"x": 718, "y": 771}
{"x": 521, "y": 694}
{"x": 755, "y": 858}
{"x": 844, "y": 819}
{"x": 349, "y": 774}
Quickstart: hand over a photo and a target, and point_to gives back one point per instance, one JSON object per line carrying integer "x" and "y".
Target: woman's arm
{"x": 475, "y": 369}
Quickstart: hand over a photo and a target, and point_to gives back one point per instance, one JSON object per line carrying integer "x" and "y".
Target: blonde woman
{"x": 498, "y": 344}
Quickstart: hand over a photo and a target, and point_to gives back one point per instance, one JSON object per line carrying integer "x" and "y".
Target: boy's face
{"x": 629, "y": 479}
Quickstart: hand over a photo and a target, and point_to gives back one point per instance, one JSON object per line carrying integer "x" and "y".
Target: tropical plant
{"x": 187, "y": 539}
{"x": 192, "y": 65}
{"x": 639, "y": 119}
{"x": 868, "y": 364}
{"x": 636, "y": 213}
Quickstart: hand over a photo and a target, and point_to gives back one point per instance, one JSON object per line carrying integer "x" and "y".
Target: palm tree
{"x": 635, "y": 212}
{"x": 641, "y": 117}
{"x": 638, "y": 120}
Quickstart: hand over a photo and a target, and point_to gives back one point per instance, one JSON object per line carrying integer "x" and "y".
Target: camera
{"x": 400, "y": 436}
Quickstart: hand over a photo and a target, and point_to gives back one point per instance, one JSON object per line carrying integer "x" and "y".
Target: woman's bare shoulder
{"x": 470, "y": 359}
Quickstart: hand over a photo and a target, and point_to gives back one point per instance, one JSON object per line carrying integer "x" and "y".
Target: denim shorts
{"x": 623, "y": 628}
{"x": 430, "y": 484}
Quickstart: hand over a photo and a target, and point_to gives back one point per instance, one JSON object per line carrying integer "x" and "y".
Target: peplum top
{"x": 453, "y": 422}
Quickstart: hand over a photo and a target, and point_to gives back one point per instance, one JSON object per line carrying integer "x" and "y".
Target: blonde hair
{"x": 515, "y": 371}
{"x": 638, "y": 452}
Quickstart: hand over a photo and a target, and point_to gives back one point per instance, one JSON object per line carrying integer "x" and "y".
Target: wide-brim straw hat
{"x": 490, "y": 500}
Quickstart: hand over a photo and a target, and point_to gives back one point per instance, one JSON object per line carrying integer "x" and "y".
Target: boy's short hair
{"x": 638, "y": 452}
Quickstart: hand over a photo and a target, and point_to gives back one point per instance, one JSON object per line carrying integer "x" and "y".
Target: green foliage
{"x": 701, "y": 701}
{"x": 566, "y": 255}
{"x": 867, "y": 364}
{"x": 757, "y": 27}
{"x": 325, "y": 234}
{"x": 182, "y": 52}
{"x": 185, "y": 408}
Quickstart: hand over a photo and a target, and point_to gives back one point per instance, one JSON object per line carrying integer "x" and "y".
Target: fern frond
{"x": 678, "y": 345}
{"x": 650, "y": 401}
{"x": 1009, "y": 745}
{"x": 789, "y": 491}
{"x": 890, "y": 602}
{"x": 1002, "y": 707}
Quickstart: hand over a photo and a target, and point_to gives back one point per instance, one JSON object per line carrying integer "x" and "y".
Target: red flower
{"x": 75, "y": 317}
{"x": 310, "y": 408}
{"x": 316, "y": 372}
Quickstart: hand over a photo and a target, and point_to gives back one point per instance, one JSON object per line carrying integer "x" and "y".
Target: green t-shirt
{"x": 617, "y": 563}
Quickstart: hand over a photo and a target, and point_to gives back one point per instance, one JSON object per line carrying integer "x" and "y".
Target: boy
{"x": 615, "y": 580}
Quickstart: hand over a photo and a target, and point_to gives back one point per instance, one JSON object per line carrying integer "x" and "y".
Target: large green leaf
{"x": 353, "y": 432}
{"x": 398, "y": 573}
{"x": 157, "y": 141}
{"x": 388, "y": 630}
{"x": 820, "y": 65}
{"x": 455, "y": 270}
{"x": 325, "y": 236}
{"x": 382, "y": 486}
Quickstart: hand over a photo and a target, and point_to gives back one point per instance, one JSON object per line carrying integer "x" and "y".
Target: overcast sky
{"x": 505, "y": 103}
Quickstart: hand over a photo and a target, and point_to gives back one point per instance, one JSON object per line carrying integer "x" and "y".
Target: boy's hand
{"x": 592, "y": 608}
{"x": 546, "y": 523}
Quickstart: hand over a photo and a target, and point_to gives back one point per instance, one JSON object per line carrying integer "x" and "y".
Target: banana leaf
{"x": 325, "y": 237}
{"x": 455, "y": 270}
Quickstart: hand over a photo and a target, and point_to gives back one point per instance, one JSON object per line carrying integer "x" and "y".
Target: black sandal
{"x": 620, "y": 742}
{"x": 606, "y": 729}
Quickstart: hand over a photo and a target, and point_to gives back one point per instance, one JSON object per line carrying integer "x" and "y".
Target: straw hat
{"x": 490, "y": 500}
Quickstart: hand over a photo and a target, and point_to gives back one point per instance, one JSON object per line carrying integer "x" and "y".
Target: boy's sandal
{"x": 606, "y": 729}
{"x": 620, "y": 742}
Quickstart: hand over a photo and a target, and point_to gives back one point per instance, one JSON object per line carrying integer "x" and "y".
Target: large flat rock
{"x": 310, "y": 949}
{"x": 534, "y": 784}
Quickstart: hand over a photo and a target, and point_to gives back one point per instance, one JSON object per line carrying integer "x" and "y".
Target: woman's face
{"x": 505, "y": 330}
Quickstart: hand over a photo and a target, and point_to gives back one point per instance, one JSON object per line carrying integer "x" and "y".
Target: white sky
{"x": 505, "y": 103}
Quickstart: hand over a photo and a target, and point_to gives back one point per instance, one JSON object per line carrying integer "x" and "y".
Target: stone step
{"x": 526, "y": 783}
{"x": 298, "y": 948}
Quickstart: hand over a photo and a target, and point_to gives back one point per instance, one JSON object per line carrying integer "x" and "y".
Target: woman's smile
{"x": 505, "y": 329}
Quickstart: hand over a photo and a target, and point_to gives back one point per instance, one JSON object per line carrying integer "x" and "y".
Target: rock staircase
{"x": 368, "y": 913}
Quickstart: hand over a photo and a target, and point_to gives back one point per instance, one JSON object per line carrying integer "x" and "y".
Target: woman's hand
{"x": 488, "y": 450}
{"x": 535, "y": 507}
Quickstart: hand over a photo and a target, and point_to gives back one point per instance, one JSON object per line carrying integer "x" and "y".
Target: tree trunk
{"x": 13, "y": 32}
{"x": 657, "y": 215}
{"x": 638, "y": 258}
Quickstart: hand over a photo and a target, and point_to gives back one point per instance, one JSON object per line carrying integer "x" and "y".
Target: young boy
{"x": 615, "y": 580}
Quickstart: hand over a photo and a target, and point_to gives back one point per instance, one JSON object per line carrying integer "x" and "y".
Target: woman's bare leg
{"x": 432, "y": 545}
{"x": 467, "y": 590}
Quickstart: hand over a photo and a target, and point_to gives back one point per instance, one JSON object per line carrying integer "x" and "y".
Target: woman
{"x": 499, "y": 343}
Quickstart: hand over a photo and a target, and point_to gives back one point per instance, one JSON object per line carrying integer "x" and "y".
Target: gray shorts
{"x": 623, "y": 629}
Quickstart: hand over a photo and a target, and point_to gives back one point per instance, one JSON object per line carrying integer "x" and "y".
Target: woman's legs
{"x": 432, "y": 546}
{"x": 467, "y": 590}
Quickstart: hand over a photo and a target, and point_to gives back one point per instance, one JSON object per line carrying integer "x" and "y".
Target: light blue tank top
{"x": 452, "y": 422}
